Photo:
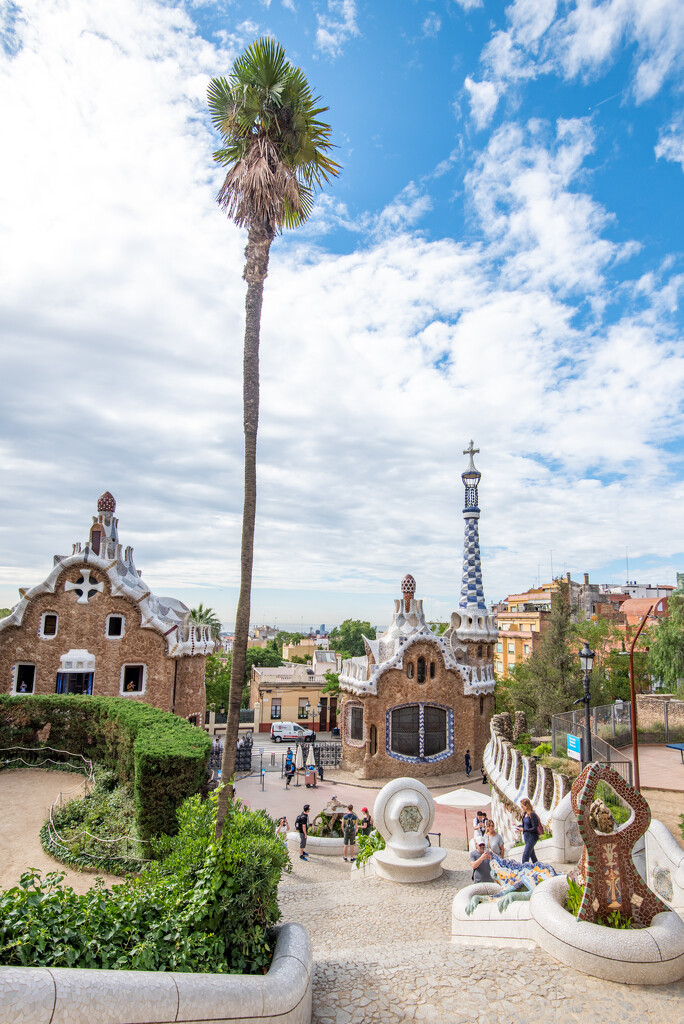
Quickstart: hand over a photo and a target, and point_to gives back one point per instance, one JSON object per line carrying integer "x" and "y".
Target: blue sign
{"x": 574, "y": 745}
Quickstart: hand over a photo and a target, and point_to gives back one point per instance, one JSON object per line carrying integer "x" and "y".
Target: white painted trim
{"x": 41, "y": 631}
{"x": 115, "y": 615}
{"x": 132, "y": 693}
{"x": 15, "y": 674}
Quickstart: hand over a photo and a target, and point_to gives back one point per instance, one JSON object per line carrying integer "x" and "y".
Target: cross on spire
{"x": 470, "y": 450}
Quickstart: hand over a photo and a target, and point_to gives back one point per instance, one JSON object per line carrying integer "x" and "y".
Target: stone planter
{"x": 41, "y": 995}
{"x": 643, "y": 956}
{"x": 318, "y": 845}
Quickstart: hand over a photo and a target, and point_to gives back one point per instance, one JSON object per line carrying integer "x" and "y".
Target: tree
{"x": 217, "y": 680}
{"x": 207, "y": 617}
{"x": 666, "y": 644}
{"x": 276, "y": 150}
{"x": 347, "y": 639}
{"x": 549, "y": 681}
{"x": 4, "y": 612}
{"x": 332, "y": 683}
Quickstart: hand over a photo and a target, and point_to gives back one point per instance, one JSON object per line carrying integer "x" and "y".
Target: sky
{"x": 500, "y": 259}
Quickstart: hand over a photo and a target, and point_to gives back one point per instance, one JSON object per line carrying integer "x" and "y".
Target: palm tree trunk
{"x": 256, "y": 268}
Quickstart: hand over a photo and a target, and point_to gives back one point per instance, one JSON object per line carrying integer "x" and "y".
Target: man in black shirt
{"x": 302, "y": 826}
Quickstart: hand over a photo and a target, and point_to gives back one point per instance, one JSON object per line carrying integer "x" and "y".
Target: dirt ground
{"x": 25, "y": 799}
{"x": 667, "y": 806}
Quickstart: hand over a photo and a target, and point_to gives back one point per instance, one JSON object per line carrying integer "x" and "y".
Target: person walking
{"x": 302, "y": 826}
{"x": 349, "y": 822}
{"x": 530, "y": 831}
{"x": 289, "y": 758}
{"x": 468, "y": 763}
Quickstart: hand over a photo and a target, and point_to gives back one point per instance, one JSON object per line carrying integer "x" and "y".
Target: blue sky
{"x": 501, "y": 258}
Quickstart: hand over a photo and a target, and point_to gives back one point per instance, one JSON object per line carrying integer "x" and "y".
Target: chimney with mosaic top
{"x": 472, "y": 622}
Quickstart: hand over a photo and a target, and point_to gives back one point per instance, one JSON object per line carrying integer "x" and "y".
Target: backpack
{"x": 300, "y": 821}
{"x": 540, "y": 828}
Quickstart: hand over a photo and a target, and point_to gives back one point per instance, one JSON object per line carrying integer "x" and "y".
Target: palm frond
{"x": 275, "y": 144}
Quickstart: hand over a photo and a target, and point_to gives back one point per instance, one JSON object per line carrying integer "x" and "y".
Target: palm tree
{"x": 207, "y": 617}
{"x": 276, "y": 151}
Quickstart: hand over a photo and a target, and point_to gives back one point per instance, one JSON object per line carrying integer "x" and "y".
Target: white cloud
{"x": 289, "y": 5}
{"x": 431, "y": 26}
{"x": 337, "y": 26}
{"x": 122, "y": 325}
{"x": 484, "y": 99}
{"x": 584, "y": 43}
{"x": 670, "y": 144}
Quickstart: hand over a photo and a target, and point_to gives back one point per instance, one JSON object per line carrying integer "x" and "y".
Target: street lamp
{"x": 586, "y": 657}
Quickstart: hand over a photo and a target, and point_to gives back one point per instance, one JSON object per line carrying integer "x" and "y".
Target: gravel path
{"x": 383, "y": 953}
{"x": 25, "y": 798}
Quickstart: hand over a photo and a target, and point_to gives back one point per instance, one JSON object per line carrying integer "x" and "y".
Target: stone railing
{"x": 515, "y": 776}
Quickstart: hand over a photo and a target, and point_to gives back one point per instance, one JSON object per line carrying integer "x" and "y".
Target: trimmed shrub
{"x": 162, "y": 755}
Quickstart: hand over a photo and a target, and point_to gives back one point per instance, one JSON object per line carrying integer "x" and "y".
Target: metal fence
{"x": 606, "y": 721}
{"x": 326, "y": 755}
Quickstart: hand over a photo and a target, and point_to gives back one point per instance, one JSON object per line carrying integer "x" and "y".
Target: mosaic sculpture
{"x": 518, "y": 882}
{"x": 611, "y": 881}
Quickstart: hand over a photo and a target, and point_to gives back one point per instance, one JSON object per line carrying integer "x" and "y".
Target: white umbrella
{"x": 310, "y": 759}
{"x": 465, "y": 798}
{"x": 299, "y": 761}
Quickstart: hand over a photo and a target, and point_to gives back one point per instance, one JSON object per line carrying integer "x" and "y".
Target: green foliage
{"x": 681, "y": 824}
{"x": 266, "y": 106}
{"x": 217, "y": 680}
{"x": 542, "y": 750}
{"x": 615, "y": 919}
{"x": 207, "y": 617}
{"x": 162, "y": 756}
{"x": 332, "y": 683}
{"x": 323, "y": 827}
{"x": 621, "y": 813}
{"x": 87, "y": 828}
{"x": 666, "y": 644}
{"x": 523, "y": 744}
{"x": 574, "y": 898}
{"x": 368, "y": 845}
{"x": 439, "y": 627}
{"x": 4, "y": 612}
{"x": 347, "y": 638}
{"x": 208, "y": 906}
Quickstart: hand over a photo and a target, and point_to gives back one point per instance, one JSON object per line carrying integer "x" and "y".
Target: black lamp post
{"x": 586, "y": 657}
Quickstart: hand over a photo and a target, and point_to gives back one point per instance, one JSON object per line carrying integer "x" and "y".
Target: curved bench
{"x": 319, "y": 845}
{"x": 632, "y": 956}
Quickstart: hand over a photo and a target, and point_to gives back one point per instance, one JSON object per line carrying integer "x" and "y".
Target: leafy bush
{"x": 208, "y": 906}
{"x": 542, "y": 750}
{"x": 86, "y": 829}
{"x": 621, "y": 813}
{"x": 573, "y": 902}
{"x": 367, "y": 846}
{"x": 323, "y": 827}
{"x": 162, "y": 755}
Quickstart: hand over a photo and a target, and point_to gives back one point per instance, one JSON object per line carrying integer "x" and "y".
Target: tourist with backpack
{"x": 302, "y": 826}
{"x": 349, "y": 822}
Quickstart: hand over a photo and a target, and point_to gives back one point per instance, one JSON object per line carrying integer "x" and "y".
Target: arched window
{"x": 373, "y": 740}
{"x": 420, "y": 675}
{"x": 409, "y": 670}
{"x": 420, "y": 732}
{"x": 479, "y": 650}
{"x": 432, "y": 670}
{"x": 481, "y": 705}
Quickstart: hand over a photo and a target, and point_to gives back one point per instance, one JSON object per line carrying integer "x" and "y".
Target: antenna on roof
{"x": 627, "y": 561}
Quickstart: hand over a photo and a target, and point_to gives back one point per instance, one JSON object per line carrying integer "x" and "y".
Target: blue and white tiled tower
{"x": 472, "y": 623}
{"x": 472, "y": 594}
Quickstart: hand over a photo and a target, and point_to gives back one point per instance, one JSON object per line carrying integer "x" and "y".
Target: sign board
{"x": 574, "y": 745}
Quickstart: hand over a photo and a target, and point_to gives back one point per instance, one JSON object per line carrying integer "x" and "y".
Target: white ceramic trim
{"x": 39, "y": 995}
{"x": 321, "y": 846}
{"x": 644, "y": 956}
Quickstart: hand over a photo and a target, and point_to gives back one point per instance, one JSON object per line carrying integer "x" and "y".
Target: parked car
{"x": 290, "y": 732}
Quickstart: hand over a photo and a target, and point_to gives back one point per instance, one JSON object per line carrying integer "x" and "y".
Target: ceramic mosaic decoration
{"x": 611, "y": 881}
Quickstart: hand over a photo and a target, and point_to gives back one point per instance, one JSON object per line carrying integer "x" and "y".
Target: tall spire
{"x": 472, "y": 594}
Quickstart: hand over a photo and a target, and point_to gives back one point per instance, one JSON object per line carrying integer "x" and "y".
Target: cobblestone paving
{"x": 382, "y": 953}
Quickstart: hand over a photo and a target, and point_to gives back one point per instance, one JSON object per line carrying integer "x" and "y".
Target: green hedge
{"x": 162, "y": 755}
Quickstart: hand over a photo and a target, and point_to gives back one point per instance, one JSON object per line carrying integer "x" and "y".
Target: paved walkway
{"x": 659, "y": 768}
{"x": 383, "y": 954}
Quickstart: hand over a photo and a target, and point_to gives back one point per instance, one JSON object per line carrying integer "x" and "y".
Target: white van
{"x": 290, "y": 732}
